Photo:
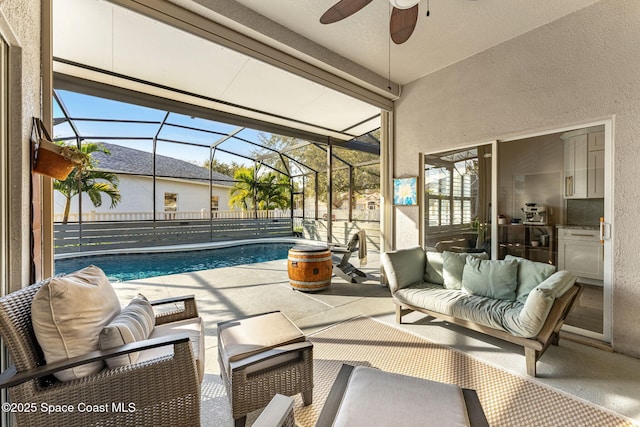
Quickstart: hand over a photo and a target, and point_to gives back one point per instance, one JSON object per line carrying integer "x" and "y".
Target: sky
{"x": 90, "y": 107}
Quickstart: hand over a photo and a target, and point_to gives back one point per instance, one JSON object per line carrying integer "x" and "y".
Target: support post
{"x": 329, "y": 191}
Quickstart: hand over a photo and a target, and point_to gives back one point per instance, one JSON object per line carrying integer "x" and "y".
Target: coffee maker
{"x": 535, "y": 214}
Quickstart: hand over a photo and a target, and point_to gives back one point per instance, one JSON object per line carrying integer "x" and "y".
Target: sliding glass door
{"x": 545, "y": 197}
{"x": 4, "y": 216}
{"x": 556, "y": 200}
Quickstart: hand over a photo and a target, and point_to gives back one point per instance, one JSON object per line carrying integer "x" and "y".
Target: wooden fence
{"x": 98, "y": 236}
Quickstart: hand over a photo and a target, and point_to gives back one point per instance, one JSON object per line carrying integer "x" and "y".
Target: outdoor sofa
{"x": 514, "y": 299}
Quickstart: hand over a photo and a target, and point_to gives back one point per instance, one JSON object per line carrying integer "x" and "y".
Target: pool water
{"x": 142, "y": 265}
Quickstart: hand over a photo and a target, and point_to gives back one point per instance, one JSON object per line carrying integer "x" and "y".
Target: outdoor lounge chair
{"x": 342, "y": 254}
{"x": 162, "y": 390}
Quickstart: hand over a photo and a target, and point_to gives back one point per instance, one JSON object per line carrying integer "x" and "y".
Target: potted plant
{"x": 57, "y": 161}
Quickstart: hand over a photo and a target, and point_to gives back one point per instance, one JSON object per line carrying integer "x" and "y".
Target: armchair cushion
{"x": 134, "y": 323}
{"x": 193, "y": 327}
{"x": 68, "y": 313}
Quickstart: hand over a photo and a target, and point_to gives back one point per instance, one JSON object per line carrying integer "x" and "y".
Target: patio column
{"x": 329, "y": 191}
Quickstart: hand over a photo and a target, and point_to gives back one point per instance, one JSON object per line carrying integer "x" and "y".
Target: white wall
{"x": 137, "y": 196}
{"x": 20, "y": 27}
{"x": 581, "y": 68}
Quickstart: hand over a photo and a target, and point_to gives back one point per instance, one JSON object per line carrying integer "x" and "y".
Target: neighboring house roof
{"x": 136, "y": 162}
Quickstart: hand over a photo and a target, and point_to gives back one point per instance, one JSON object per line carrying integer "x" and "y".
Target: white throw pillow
{"x": 134, "y": 323}
{"x": 68, "y": 314}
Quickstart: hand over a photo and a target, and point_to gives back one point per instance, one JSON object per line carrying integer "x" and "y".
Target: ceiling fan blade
{"x": 402, "y": 24}
{"x": 342, "y": 9}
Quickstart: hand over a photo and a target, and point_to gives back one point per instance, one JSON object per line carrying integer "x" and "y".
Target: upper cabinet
{"x": 584, "y": 164}
{"x": 595, "y": 165}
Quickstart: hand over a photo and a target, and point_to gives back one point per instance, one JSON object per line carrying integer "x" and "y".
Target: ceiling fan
{"x": 403, "y": 17}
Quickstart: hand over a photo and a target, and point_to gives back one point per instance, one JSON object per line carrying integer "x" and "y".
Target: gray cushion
{"x": 528, "y": 321}
{"x": 378, "y": 398}
{"x": 134, "y": 323}
{"x": 404, "y": 267}
{"x": 453, "y": 266}
{"x": 433, "y": 269}
{"x": 192, "y": 327}
{"x": 493, "y": 279}
{"x": 530, "y": 275}
{"x": 252, "y": 335}
{"x": 68, "y": 314}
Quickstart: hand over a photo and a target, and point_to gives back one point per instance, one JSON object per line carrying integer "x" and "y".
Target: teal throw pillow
{"x": 453, "y": 266}
{"x": 494, "y": 279}
{"x": 530, "y": 275}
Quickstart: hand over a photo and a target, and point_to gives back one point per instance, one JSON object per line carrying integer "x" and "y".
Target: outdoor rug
{"x": 507, "y": 399}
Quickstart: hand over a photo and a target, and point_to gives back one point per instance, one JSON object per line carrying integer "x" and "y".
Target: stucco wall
{"x": 137, "y": 196}
{"x": 20, "y": 27}
{"x": 581, "y": 68}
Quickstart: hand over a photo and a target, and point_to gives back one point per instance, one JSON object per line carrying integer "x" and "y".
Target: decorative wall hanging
{"x": 405, "y": 191}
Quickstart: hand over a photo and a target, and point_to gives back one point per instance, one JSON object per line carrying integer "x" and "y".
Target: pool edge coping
{"x": 190, "y": 247}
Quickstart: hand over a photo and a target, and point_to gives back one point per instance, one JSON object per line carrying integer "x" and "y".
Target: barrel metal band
{"x": 308, "y": 284}
{"x": 327, "y": 258}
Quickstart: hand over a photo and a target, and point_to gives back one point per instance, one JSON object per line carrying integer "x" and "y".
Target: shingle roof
{"x": 132, "y": 161}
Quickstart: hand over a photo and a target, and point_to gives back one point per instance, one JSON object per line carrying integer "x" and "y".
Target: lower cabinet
{"x": 581, "y": 252}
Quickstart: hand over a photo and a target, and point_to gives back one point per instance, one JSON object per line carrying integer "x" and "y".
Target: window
{"x": 450, "y": 186}
{"x": 214, "y": 203}
{"x": 170, "y": 202}
{"x": 457, "y": 199}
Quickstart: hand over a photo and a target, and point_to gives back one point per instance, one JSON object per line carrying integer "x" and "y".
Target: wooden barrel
{"x": 309, "y": 268}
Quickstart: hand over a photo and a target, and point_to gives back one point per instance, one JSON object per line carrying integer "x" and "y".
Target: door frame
{"x": 607, "y": 228}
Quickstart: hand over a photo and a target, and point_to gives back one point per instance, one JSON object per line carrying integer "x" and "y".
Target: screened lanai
{"x": 183, "y": 109}
{"x": 180, "y": 178}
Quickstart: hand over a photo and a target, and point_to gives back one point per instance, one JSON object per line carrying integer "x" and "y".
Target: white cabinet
{"x": 575, "y": 167}
{"x": 595, "y": 165}
{"x": 580, "y": 252}
{"x": 583, "y": 164}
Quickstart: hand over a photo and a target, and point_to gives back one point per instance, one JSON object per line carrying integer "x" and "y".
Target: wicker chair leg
{"x": 307, "y": 397}
{"x": 240, "y": 422}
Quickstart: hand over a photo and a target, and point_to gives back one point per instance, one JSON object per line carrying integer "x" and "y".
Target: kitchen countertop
{"x": 579, "y": 227}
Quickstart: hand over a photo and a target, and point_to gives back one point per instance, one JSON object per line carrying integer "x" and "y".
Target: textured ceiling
{"x": 455, "y": 30}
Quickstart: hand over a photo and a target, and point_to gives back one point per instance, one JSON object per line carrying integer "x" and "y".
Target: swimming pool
{"x": 123, "y": 267}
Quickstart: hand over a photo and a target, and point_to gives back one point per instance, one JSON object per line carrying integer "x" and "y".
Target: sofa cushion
{"x": 134, "y": 323}
{"x": 453, "y": 267}
{"x": 491, "y": 278}
{"x": 404, "y": 267}
{"x": 68, "y": 314}
{"x": 530, "y": 275}
{"x": 433, "y": 268}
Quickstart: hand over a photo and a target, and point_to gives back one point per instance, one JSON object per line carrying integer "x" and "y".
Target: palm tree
{"x": 273, "y": 191}
{"x": 90, "y": 181}
{"x": 244, "y": 191}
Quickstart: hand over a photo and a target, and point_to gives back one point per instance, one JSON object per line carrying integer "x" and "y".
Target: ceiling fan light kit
{"x": 403, "y": 4}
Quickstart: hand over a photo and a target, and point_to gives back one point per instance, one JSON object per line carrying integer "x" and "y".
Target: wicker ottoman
{"x": 261, "y": 356}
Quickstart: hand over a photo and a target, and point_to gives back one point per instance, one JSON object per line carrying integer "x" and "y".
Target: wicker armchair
{"x": 164, "y": 391}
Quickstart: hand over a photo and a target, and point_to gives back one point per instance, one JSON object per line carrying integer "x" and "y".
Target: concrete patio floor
{"x": 606, "y": 379}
